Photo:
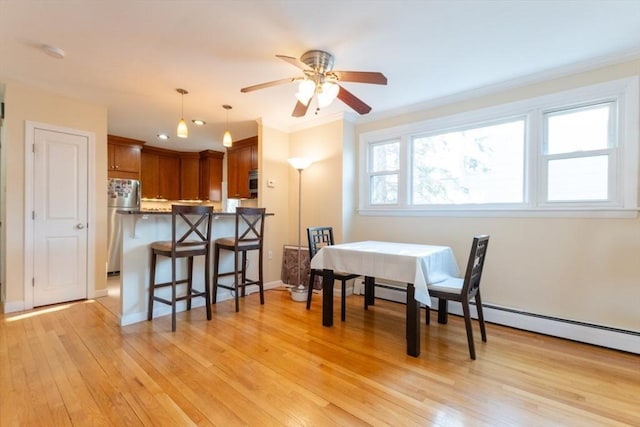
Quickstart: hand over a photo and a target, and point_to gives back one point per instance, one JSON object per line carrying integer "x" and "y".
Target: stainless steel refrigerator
{"x": 122, "y": 194}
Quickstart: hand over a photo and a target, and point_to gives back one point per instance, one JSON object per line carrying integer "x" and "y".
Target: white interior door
{"x": 59, "y": 217}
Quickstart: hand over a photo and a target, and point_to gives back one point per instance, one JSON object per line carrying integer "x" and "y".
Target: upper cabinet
{"x": 160, "y": 174}
{"x": 124, "y": 158}
{"x": 211, "y": 175}
{"x": 241, "y": 158}
{"x": 189, "y": 176}
{"x": 177, "y": 175}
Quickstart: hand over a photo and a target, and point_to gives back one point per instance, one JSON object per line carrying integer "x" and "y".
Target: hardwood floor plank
{"x": 276, "y": 365}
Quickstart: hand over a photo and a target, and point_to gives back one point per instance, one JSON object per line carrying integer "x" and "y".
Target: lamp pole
{"x": 299, "y": 225}
{"x": 299, "y": 163}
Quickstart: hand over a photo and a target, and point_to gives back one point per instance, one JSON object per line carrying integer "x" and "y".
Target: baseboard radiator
{"x": 604, "y": 336}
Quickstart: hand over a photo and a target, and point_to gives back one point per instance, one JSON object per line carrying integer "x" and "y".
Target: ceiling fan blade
{"x": 268, "y": 84}
{"x": 300, "y": 109}
{"x": 353, "y": 101}
{"x": 361, "y": 77}
{"x": 295, "y": 62}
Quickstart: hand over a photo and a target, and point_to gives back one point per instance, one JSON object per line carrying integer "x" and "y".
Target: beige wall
{"x": 273, "y": 152}
{"x": 322, "y": 181}
{"x": 24, "y": 103}
{"x": 579, "y": 269}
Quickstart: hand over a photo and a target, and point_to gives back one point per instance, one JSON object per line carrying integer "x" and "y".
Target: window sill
{"x": 507, "y": 213}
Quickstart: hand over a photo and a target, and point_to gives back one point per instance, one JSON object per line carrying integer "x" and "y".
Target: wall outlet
{"x": 270, "y": 255}
{"x": 271, "y": 183}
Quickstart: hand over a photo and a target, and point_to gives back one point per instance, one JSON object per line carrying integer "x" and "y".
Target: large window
{"x": 482, "y": 164}
{"x": 579, "y": 152}
{"x": 574, "y": 151}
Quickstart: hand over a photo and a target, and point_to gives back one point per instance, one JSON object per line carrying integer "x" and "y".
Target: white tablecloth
{"x": 402, "y": 262}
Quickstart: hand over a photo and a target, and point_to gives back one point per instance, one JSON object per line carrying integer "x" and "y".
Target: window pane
{"x": 384, "y": 189}
{"x": 578, "y": 129}
{"x": 480, "y": 165}
{"x": 385, "y": 157}
{"x": 582, "y": 178}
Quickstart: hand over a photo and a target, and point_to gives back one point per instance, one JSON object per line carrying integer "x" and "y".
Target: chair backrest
{"x": 475, "y": 265}
{"x": 250, "y": 227}
{"x": 318, "y": 237}
{"x": 197, "y": 220}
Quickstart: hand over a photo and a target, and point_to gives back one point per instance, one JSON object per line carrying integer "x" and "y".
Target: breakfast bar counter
{"x": 142, "y": 227}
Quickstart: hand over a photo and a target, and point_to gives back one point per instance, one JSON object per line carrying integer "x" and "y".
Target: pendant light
{"x": 183, "y": 132}
{"x": 226, "y": 138}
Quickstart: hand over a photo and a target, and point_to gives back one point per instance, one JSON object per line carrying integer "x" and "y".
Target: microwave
{"x": 253, "y": 182}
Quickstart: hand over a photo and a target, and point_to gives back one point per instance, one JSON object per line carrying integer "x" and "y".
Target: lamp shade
{"x": 300, "y": 163}
{"x": 306, "y": 89}
{"x": 226, "y": 139}
{"x": 329, "y": 92}
{"x": 182, "y": 131}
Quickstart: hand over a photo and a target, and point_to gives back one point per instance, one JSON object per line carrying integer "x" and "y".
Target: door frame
{"x": 29, "y": 261}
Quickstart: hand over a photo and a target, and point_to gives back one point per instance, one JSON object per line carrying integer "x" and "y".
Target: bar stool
{"x": 248, "y": 237}
{"x": 195, "y": 241}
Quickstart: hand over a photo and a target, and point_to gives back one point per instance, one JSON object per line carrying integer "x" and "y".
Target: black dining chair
{"x": 190, "y": 237}
{"x": 463, "y": 291}
{"x": 249, "y": 234}
{"x": 318, "y": 237}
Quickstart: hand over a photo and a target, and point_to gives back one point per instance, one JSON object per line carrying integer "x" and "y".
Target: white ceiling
{"x": 131, "y": 55}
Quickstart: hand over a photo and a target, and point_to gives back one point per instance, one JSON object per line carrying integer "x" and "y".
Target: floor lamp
{"x": 300, "y": 164}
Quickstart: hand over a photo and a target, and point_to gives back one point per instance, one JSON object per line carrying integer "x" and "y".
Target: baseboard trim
{"x": 603, "y": 336}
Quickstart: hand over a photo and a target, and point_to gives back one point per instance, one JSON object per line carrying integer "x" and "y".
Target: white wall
{"x": 24, "y": 103}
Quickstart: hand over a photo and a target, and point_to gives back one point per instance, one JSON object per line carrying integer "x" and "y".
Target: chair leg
{"x": 312, "y": 276}
{"x": 343, "y": 304}
{"x": 483, "y": 332}
{"x": 427, "y": 319}
{"x": 207, "y": 290}
{"x": 152, "y": 285}
{"x": 173, "y": 294}
{"x": 189, "y": 281}
{"x": 236, "y": 277}
{"x": 260, "y": 277}
{"x": 243, "y": 276}
{"x": 468, "y": 326}
{"x": 216, "y": 262}
{"x": 443, "y": 311}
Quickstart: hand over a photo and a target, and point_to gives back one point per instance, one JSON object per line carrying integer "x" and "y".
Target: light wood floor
{"x": 275, "y": 364}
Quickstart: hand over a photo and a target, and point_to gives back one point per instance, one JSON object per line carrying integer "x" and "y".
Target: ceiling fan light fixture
{"x": 306, "y": 89}
{"x": 327, "y": 93}
{"x": 182, "y": 131}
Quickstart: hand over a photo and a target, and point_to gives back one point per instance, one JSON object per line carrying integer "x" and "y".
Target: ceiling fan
{"x": 321, "y": 81}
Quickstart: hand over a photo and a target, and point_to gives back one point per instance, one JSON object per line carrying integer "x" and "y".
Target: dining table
{"x": 417, "y": 265}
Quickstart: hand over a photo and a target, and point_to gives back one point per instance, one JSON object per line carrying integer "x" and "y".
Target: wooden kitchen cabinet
{"x": 160, "y": 174}
{"x": 189, "y": 176}
{"x": 211, "y": 175}
{"x": 241, "y": 158}
{"x": 124, "y": 157}
{"x": 149, "y": 175}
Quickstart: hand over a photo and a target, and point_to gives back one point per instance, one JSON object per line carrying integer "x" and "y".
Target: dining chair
{"x": 318, "y": 237}
{"x": 464, "y": 290}
{"x": 249, "y": 234}
{"x": 195, "y": 241}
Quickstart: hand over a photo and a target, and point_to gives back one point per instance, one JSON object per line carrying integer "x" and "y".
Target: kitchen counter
{"x": 140, "y": 228}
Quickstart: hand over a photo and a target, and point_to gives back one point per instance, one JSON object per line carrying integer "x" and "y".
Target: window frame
{"x": 623, "y": 176}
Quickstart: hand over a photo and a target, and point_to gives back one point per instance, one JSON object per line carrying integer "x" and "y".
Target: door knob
{"x": 80, "y": 226}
